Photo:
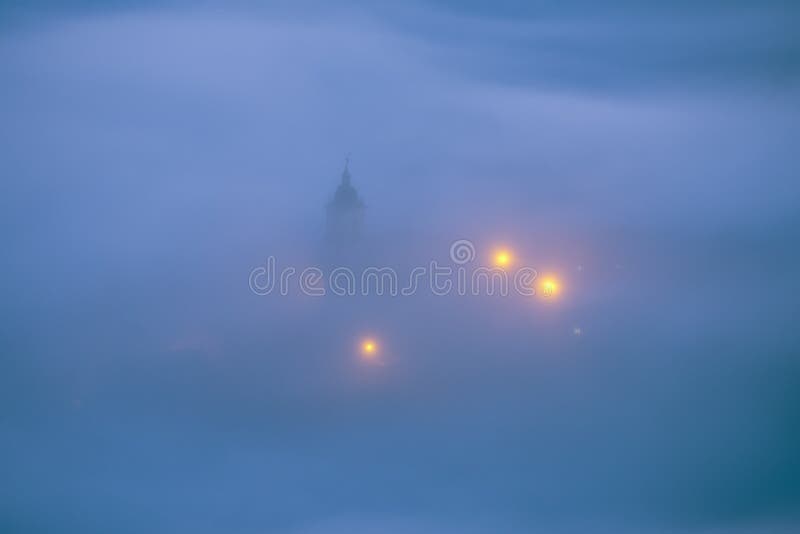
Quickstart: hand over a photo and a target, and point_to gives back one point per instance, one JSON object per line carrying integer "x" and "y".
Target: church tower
{"x": 345, "y": 213}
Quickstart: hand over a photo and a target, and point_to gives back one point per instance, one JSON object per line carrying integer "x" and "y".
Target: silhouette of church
{"x": 345, "y": 212}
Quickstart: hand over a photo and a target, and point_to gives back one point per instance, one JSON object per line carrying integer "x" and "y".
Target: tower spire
{"x": 346, "y": 172}
{"x": 345, "y": 212}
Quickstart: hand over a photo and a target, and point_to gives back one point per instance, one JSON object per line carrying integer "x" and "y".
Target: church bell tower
{"x": 345, "y": 212}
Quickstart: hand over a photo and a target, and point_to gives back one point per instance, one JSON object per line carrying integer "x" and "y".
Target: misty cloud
{"x": 154, "y": 154}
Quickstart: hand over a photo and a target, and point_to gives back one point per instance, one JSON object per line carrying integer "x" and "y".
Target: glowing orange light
{"x": 502, "y": 258}
{"x": 549, "y": 287}
{"x": 369, "y": 348}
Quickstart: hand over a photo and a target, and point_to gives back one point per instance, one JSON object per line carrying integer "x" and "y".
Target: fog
{"x": 154, "y": 154}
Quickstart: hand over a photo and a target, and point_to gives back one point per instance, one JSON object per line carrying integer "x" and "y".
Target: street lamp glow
{"x": 369, "y": 348}
{"x": 549, "y": 287}
{"x": 502, "y": 258}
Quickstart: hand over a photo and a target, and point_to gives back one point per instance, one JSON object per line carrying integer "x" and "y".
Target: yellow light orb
{"x": 549, "y": 287}
{"x": 369, "y": 348}
{"x": 502, "y": 258}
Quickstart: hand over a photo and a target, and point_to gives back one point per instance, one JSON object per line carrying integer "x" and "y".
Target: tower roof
{"x": 346, "y": 171}
{"x": 345, "y": 211}
{"x": 346, "y": 196}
